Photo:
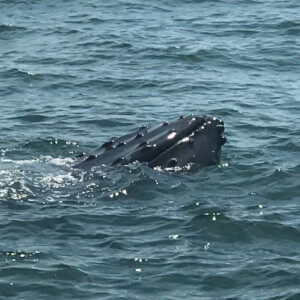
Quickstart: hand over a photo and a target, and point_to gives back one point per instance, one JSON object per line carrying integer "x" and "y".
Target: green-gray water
{"x": 73, "y": 74}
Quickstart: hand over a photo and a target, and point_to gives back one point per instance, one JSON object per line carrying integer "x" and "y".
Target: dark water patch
{"x": 79, "y": 62}
{"x": 59, "y": 30}
{"x": 41, "y": 275}
{"x": 289, "y": 27}
{"x": 121, "y": 45}
{"x": 80, "y": 106}
{"x": 39, "y": 60}
{"x": 286, "y": 144}
{"x": 229, "y": 230}
{"x": 79, "y": 15}
{"x": 8, "y": 27}
{"x": 106, "y": 122}
{"x": 260, "y": 127}
{"x": 61, "y": 86}
{"x": 179, "y": 86}
{"x": 283, "y": 193}
{"x": 184, "y": 56}
{"x": 96, "y": 21}
{"x": 98, "y": 43}
{"x": 119, "y": 83}
{"x": 16, "y": 73}
{"x": 105, "y": 56}
{"x": 103, "y": 49}
{"x": 36, "y": 224}
{"x": 32, "y": 118}
{"x": 10, "y": 32}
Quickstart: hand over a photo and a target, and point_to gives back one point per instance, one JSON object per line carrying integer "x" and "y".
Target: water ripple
{"x": 73, "y": 76}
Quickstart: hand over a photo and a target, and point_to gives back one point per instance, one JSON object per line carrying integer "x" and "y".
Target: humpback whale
{"x": 185, "y": 141}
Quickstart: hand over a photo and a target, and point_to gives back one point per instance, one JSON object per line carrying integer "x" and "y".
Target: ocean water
{"x": 75, "y": 73}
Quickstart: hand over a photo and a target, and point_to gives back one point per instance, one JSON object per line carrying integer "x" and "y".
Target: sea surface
{"x": 75, "y": 73}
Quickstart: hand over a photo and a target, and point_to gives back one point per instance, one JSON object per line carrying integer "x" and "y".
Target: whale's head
{"x": 187, "y": 140}
{"x": 200, "y": 144}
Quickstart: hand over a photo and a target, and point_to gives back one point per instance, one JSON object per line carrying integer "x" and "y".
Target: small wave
{"x": 286, "y": 144}
{"x": 290, "y": 27}
{"x": 181, "y": 54}
{"x": 84, "y": 19}
{"x": 12, "y": 73}
{"x": 80, "y": 62}
{"x": 10, "y": 28}
{"x": 120, "y": 83}
{"x": 96, "y": 20}
{"x": 107, "y": 122}
{"x": 10, "y": 32}
{"x": 231, "y": 229}
{"x": 32, "y": 118}
{"x": 15, "y": 73}
{"x": 62, "y": 31}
